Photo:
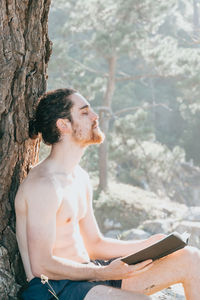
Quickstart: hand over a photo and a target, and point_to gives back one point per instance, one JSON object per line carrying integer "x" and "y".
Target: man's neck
{"x": 65, "y": 156}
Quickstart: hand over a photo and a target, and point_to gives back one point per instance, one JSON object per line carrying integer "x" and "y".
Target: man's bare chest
{"x": 73, "y": 199}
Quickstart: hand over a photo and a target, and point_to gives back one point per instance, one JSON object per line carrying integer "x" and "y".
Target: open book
{"x": 167, "y": 245}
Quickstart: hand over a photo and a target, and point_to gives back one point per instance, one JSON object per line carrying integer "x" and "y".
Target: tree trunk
{"x": 104, "y": 124}
{"x": 24, "y": 53}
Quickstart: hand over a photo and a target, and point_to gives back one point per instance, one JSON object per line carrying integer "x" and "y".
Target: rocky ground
{"x": 173, "y": 293}
{"x": 128, "y": 212}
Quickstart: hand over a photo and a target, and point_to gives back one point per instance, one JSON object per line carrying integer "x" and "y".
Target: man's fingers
{"x": 138, "y": 266}
{"x": 144, "y": 269}
{"x": 139, "y": 270}
{"x": 123, "y": 270}
{"x": 143, "y": 264}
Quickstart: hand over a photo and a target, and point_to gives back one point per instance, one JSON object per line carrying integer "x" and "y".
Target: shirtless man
{"x": 56, "y": 229}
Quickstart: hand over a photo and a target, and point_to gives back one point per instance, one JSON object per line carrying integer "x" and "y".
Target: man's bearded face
{"x": 85, "y": 126}
{"x": 87, "y": 135}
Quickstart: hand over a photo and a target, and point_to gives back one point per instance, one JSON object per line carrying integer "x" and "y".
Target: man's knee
{"x": 191, "y": 259}
{"x": 192, "y": 254}
{"x": 102, "y": 292}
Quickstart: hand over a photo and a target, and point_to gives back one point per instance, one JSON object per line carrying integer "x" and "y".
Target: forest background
{"x": 137, "y": 62}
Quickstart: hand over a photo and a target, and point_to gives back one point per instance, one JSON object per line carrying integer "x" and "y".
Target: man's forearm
{"x": 108, "y": 248}
{"x": 58, "y": 268}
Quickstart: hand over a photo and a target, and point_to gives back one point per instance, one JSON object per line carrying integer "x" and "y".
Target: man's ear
{"x": 64, "y": 125}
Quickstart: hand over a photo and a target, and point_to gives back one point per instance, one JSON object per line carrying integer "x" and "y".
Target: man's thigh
{"x": 101, "y": 292}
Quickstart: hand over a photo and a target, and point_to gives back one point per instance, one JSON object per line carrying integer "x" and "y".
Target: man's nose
{"x": 94, "y": 116}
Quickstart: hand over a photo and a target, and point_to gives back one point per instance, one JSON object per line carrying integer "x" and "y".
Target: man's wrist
{"x": 99, "y": 273}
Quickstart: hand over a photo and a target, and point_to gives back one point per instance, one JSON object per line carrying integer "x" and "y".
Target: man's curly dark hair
{"x": 51, "y": 106}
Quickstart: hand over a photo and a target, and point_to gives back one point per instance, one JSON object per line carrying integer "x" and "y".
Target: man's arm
{"x": 42, "y": 206}
{"x": 100, "y": 247}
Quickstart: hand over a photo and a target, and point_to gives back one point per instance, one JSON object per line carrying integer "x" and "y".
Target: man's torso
{"x": 72, "y": 193}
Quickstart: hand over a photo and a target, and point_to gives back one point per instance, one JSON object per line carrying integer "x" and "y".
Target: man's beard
{"x": 95, "y": 136}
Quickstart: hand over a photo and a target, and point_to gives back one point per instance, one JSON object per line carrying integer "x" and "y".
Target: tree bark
{"x": 24, "y": 52}
{"x": 104, "y": 124}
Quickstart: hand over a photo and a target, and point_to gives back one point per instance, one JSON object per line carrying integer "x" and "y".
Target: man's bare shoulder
{"x": 35, "y": 179}
{"x": 37, "y": 186}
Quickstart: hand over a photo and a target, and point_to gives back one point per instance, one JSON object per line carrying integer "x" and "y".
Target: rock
{"x": 191, "y": 227}
{"x": 115, "y": 234}
{"x": 192, "y": 214}
{"x": 127, "y": 206}
{"x": 184, "y": 185}
{"x": 110, "y": 224}
{"x": 134, "y": 234}
{"x": 171, "y": 293}
{"x": 158, "y": 226}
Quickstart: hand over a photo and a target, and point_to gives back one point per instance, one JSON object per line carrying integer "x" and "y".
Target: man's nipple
{"x": 68, "y": 220}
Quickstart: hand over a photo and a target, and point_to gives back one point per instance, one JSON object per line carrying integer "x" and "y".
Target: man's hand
{"x": 117, "y": 270}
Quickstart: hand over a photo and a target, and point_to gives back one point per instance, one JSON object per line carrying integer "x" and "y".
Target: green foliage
{"x": 90, "y": 160}
{"x": 141, "y": 160}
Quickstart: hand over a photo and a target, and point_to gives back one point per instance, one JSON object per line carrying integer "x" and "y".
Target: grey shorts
{"x": 65, "y": 289}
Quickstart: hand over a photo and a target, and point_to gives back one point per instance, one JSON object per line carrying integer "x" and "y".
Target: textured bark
{"x": 24, "y": 53}
{"x": 104, "y": 123}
